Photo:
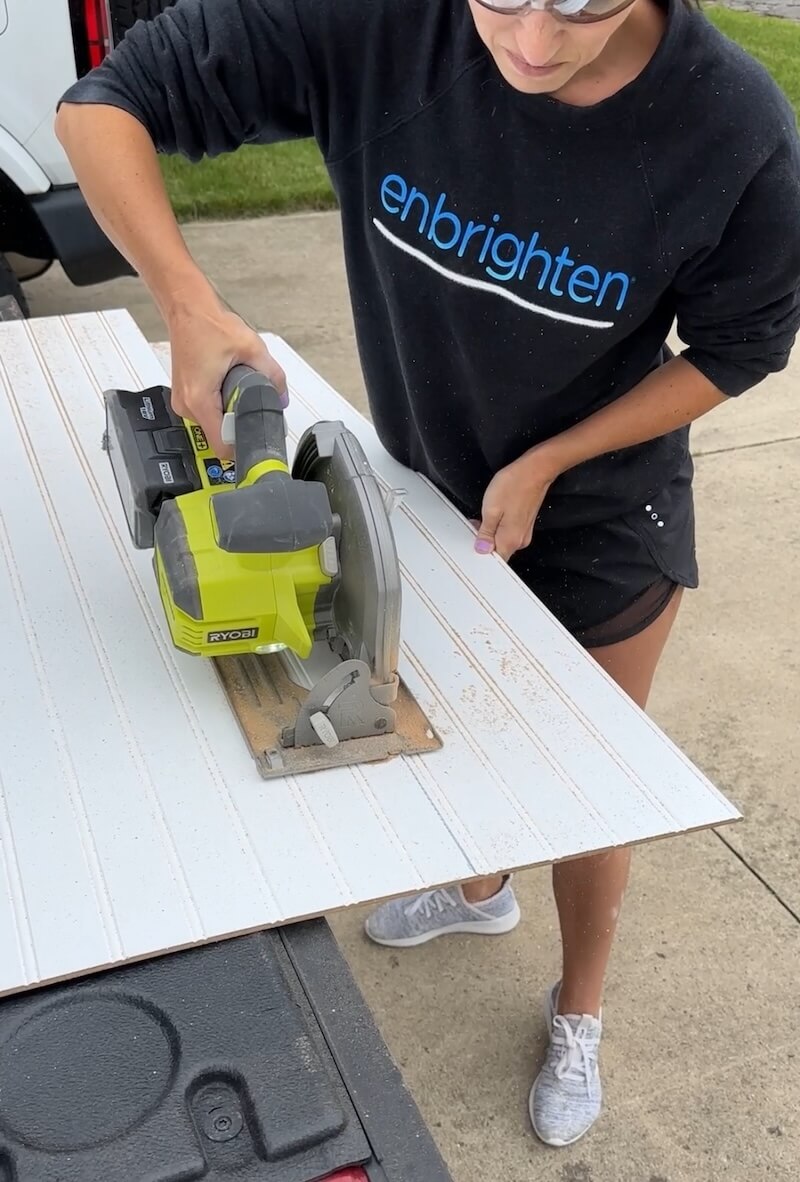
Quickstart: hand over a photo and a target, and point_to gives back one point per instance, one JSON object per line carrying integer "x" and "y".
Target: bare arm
{"x": 116, "y": 165}
{"x": 201, "y": 79}
{"x": 672, "y": 396}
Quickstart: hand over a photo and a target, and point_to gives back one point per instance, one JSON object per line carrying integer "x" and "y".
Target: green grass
{"x": 278, "y": 178}
{"x": 286, "y": 178}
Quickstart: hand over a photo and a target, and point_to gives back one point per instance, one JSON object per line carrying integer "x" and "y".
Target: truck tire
{"x": 125, "y": 14}
{"x": 11, "y": 286}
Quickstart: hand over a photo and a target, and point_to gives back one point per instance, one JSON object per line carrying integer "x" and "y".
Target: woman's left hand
{"x": 511, "y": 505}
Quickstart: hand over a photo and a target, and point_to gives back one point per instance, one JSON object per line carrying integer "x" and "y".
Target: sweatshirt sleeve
{"x": 207, "y": 76}
{"x": 738, "y": 302}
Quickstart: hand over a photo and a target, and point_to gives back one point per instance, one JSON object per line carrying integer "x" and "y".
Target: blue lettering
{"x": 510, "y": 266}
{"x": 394, "y": 188}
{"x": 590, "y": 284}
{"x": 504, "y": 256}
{"x": 440, "y": 214}
{"x": 413, "y": 196}
{"x": 609, "y": 279}
{"x": 472, "y": 229}
{"x": 486, "y": 245}
{"x": 534, "y": 252}
{"x": 489, "y": 237}
{"x": 562, "y": 261}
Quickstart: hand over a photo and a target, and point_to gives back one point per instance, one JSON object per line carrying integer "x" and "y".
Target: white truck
{"x": 44, "y": 46}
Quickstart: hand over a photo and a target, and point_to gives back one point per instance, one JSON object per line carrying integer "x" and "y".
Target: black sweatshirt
{"x": 515, "y": 263}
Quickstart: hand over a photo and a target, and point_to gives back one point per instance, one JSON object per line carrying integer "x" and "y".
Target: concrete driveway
{"x": 701, "y": 1058}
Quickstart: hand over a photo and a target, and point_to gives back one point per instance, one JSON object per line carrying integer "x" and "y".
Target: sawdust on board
{"x": 265, "y": 702}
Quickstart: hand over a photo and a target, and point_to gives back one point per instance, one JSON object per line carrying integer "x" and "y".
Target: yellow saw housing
{"x": 245, "y": 555}
{"x": 249, "y": 603}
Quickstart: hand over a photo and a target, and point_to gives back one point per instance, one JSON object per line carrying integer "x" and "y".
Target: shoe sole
{"x": 478, "y": 927}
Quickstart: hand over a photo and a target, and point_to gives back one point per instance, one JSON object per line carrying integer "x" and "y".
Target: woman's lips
{"x": 530, "y": 71}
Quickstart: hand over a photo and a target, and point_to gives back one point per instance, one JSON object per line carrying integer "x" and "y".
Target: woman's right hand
{"x": 206, "y": 341}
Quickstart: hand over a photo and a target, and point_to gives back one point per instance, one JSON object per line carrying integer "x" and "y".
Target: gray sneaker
{"x": 566, "y": 1098}
{"x": 404, "y": 923}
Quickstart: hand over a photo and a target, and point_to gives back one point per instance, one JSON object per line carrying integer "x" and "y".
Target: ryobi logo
{"x": 230, "y": 635}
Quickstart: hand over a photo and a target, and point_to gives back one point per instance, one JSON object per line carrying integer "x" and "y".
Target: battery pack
{"x": 151, "y": 456}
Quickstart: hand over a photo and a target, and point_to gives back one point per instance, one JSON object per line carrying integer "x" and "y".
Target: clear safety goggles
{"x": 572, "y": 11}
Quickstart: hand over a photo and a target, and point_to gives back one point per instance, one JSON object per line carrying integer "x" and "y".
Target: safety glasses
{"x": 576, "y": 12}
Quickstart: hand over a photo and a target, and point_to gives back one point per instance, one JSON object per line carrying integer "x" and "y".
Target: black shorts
{"x": 608, "y": 581}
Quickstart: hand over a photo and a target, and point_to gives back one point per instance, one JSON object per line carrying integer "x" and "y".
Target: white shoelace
{"x": 428, "y": 903}
{"x": 575, "y": 1059}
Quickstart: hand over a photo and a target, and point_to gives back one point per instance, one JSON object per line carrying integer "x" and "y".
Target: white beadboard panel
{"x": 132, "y": 818}
{"x": 537, "y": 666}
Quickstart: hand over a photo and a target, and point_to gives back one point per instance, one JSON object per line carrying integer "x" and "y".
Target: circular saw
{"x": 286, "y": 578}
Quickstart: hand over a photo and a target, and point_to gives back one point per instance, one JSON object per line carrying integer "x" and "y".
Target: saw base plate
{"x": 266, "y": 702}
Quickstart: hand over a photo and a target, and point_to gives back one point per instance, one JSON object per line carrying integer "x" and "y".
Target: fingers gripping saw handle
{"x": 253, "y": 420}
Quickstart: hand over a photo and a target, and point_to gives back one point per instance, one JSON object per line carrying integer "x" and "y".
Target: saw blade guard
{"x": 367, "y": 603}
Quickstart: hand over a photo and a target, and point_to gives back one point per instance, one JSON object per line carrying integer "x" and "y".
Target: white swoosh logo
{"x": 482, "y": 285}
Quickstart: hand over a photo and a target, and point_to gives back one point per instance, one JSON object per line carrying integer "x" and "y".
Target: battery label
{"x": 166, "y": 473}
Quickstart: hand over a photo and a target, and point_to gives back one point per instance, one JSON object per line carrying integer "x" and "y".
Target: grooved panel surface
{"x": 132, "y": 818}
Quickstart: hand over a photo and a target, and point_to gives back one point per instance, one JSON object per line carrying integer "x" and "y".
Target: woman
{"x": 531, "y": 193}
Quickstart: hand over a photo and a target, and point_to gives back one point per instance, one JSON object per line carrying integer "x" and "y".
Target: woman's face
{"x": 538, "y": 53}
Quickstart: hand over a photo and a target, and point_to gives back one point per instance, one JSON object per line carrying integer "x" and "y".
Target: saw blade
{"x": 367, "y": 606}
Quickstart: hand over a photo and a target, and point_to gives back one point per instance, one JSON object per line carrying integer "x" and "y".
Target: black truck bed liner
{"x": 254, "y": 1059}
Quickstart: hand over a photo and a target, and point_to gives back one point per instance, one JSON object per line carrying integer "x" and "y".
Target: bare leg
{"x": 482, "y": 888}
{"x": 589, "y": 891}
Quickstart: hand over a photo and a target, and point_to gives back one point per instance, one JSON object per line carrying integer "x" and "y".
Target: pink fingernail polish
{"x": 483, "y": 547}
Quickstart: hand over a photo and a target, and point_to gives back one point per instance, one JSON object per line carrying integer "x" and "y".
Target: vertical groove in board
{"x": 446, "y": 856}
{"x": 566, "y": 656}
{"x": 485, "y": 852}
{"x": 510, "y": 787}
{"x": 88, "y": 645}
{"x": 511, "y": 796}
{"x": 357, "y": 801}
{"x": 535, "y": 762}
{"x": 446, "y": 719}
{"x": 311, "y": 811}
{"x": 417, "y": 823}
{"x": 170, "y": 709}
{"x": 220, "y": 887}
{"x": 644, "y": 757}
{"x": 304, "y": 877}
{"x": 683, "y": 808}
{"x": 615, "y": 722}
{"x": 132, "y": 345}
{"x": 327, "y": 403}
{"x": 553, "y": 732}
{"x": 313, "y": 804}
{"x": 358, "y": 838}
{"x": 43, "y": 748}
{"x": 15, "y": 921}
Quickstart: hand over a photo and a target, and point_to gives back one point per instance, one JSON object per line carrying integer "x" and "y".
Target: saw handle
{"x": 253, "y": 420}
